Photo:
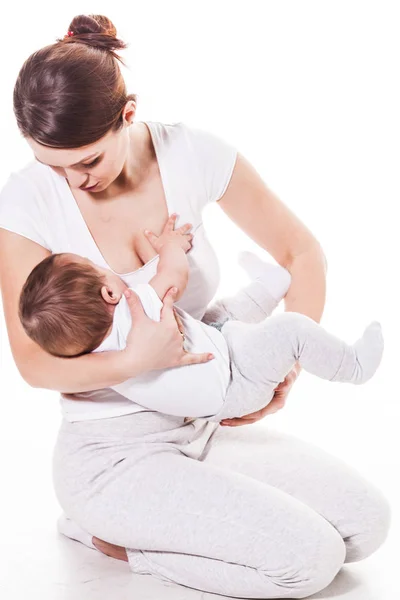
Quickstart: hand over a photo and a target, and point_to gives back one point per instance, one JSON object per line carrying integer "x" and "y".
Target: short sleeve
{"x": 215, "y": 159}
{"x": 20, "y": 210}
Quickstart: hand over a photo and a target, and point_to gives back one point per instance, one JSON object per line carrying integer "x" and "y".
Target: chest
{"x": 111, "y": 235}
{"x": 117, "y": 226}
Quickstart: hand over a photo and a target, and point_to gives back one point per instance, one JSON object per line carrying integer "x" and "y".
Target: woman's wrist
{"x": 127, "y": 365}
{"x": 89, "y": 372}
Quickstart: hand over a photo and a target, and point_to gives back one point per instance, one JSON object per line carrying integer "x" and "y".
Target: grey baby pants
{"x": 262, "y": 353}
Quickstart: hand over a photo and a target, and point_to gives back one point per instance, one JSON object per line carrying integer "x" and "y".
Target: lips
{"x": 89, "y": 188}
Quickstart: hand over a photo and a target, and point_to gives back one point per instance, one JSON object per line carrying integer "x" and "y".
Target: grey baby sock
{"x": 257, "y": 300}
{"x": 275, "y": 279}
{"x": 361, "y": 360}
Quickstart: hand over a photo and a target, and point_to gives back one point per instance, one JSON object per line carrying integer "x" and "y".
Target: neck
{"x": 137, "y": 163}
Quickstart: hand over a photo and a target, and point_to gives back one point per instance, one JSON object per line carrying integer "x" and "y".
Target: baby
{"x": 70, "y": 307}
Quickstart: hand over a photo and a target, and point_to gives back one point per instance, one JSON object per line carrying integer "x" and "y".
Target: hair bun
{"x": 97, "y": 31}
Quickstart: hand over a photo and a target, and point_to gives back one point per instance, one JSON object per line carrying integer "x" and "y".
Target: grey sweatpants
{"x": 243, "y": 512}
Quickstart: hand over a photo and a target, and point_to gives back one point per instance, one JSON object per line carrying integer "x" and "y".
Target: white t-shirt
{"x": 191, "y": 391}
{"x": 195, "y": 168}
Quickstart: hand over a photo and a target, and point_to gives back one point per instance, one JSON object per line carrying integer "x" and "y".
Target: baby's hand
{"x": 169, "y": 234}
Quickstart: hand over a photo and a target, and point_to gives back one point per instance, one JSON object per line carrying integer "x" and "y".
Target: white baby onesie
{"x": 192, "y": 390}
{"x": 261, "y": 355}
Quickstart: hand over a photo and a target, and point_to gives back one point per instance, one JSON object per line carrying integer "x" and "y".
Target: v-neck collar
{"x": 154, "y": 129}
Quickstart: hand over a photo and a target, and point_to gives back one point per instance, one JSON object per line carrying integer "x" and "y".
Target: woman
{"x": 248, "y": 513}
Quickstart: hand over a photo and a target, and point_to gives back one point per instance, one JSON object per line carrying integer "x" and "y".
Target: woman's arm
{"x": 18, "y": 256}
{"x": 272, "y": 225}
{"x": 160, "y": 343}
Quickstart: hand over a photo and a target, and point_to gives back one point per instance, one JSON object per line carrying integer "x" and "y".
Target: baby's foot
{"x": 369, "y": 351}
{"x": 361, "y": 359}
{"x": 275, "y": 278}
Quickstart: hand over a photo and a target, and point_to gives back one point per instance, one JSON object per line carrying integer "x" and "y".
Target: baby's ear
{"x": 108, "y": 295}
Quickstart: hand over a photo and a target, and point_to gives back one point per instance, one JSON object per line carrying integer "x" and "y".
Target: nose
{"x": 76, "y": 180}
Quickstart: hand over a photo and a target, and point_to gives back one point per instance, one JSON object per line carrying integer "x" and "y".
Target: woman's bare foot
{"x": 110, "y": 550}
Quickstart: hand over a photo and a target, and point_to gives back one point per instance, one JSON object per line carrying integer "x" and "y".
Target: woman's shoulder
{"x": 192, "y": 135}
{"x": 32, "y": 176}
{"x": 199, "y": 155}
{"x": 26, "y": 199}
{"x": 193, "y": 143}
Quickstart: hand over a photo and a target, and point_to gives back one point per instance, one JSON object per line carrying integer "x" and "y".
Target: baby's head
{"x": 67, "y": 304}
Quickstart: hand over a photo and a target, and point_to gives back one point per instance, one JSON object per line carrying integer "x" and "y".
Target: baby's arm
{"x": 172, "y": 269}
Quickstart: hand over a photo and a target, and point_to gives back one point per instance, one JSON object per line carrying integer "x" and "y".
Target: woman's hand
{"x": 178, "y": 321}
{"x": 155, "y": 345}
{"x": 170, "y": 234}
{"x": 278, "y": 401}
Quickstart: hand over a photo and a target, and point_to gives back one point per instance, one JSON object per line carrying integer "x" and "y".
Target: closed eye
{"x": 94, "y": 162}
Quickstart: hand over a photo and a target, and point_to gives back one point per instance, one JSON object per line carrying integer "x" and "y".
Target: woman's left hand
{"x": 278, "y": 401}
{"x": 178, "y": 321}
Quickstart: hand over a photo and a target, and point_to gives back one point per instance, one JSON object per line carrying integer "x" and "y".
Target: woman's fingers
{"x": 191, "y": 359}
{"x": 179, "y": 321}
{"x": 167, "y": 313}
{"x": 168, "y": 301}
{"x": 135, "y": 304}
{"x": 277, "y": 403}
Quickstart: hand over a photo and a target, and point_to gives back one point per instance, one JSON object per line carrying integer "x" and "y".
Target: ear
{"x": 128, "y": 114}
{"x": 108, "y": 295}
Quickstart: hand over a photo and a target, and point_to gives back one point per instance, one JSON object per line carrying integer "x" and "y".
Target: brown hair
{"x": 71, "y": 93}
{"x": 61, "y": 307}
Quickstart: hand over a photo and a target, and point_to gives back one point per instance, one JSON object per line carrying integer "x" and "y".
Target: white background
{"x": 309, "y": 92}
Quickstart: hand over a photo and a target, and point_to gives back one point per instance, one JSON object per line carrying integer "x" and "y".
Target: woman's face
{"x": 97, "y": 164}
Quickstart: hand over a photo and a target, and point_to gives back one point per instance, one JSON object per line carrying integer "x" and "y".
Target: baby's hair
{"x": 61, "y": 307}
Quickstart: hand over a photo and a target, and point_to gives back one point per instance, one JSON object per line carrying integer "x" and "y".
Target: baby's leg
{"x": 257, "y": 300}
{"x": 263, "y": 354}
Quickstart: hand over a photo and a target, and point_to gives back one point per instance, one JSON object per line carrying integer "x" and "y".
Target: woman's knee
{"x": 327, "y": 561}
{"x": 317, "y": 564}
{"x": 371, "y": 528}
